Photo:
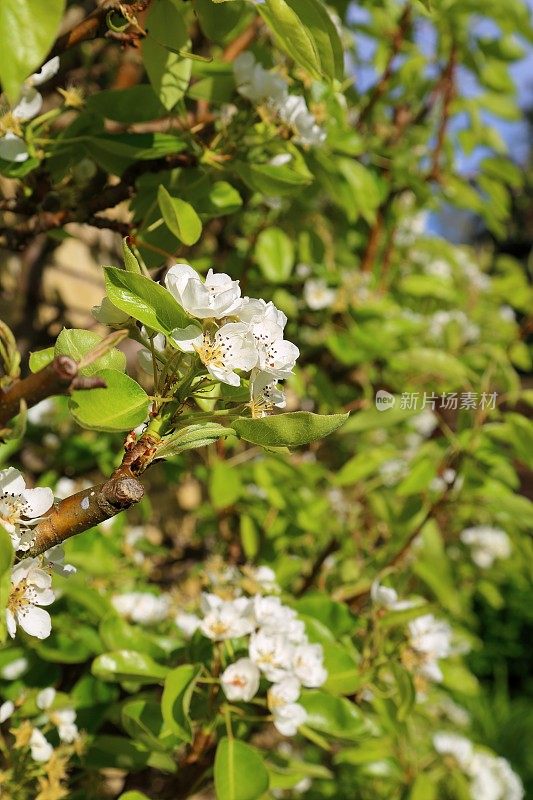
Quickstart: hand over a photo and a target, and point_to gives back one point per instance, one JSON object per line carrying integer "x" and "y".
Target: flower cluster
{"x": 487, "y": 544}
{"x": 142, "y": 607}
{"x": 20, "y": 508}
{"x": 238, "y": 333}
{"x": 263, "y": 87}
{"x": 491, "y": 778}
{"x": 430, "y": 639}
{"x": 278, "y": 651}
{"x": 12, "y": 145}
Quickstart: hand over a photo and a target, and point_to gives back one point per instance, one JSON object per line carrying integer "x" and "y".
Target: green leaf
{"x": 334, "y": 716}
{"x": 77, "y": 342}
{"x": 120, "y": 407}
{"x": 7, "y": 556}
{"x": 119, "y": 752}
{"x": 217, "y": 21}
{"x": 335, "y": 616}
{"x": 271, "y": 180}
{"x": 239, "y": 771}
{"x": 288, "y": 430}
{"x": 304, "y": 29}
{"x": 142, "y": 720}
{"x": 145, "y": 300}
{"x": 180, "y": 217}
{"x": 40, "y": 359}
{"x": 128, "y": 665}
{"x": 115, "y": 633}
{"x": 224, "y": 485}
{"x": 134, "y": 795}
{"x": 192, "y": 436}
{"x": 274, "y": 252}
{"x": 168, "y": 72}
{"x": 176, "y": 699}
{"x": 27, "y": 29}
{"x": 130, "y": 261}
{"x": 132, "y": 104}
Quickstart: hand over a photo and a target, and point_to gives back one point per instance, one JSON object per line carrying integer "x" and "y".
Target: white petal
{"x": 47, "y": 71}
{"x": 36, "y": 622}
{"x": 11, "y": 624}
{"x": 45, "y": 698}
{"x": 187, "y": 338}
{"x": 29, "y": 105}
{"x": 11, "y": 481}
{"x": 13, "y": 148}
{"x": 38, "y": 500}
{"x": 6, "y": 709}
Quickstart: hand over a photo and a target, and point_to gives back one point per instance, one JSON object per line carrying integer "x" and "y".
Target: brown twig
{"x": 58, "y": 377}
{"x": 447, "y": 85}
{"x": 95, "y": 27}
{"x": 383, "y": 83}
{"x": 242, "y": 42}
{"x": 310, "y": 579}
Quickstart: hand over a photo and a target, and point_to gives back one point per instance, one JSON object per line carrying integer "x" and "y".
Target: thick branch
{"x": 58, "y": 377}
{"x": 86, "y": 509}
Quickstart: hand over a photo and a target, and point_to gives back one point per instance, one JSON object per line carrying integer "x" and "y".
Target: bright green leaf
{"x": 180, "y": 217}
{"x": 145, "y": 300}
{"x": 239, "y": 771}
{"x": 120, "y": 407}
{"x": 288, "y": 430}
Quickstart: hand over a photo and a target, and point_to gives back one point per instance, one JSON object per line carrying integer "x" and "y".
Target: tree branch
{"x": 84, "y": 510}
{"x": 58, "y": 377}
{"x": 447, "y": 83}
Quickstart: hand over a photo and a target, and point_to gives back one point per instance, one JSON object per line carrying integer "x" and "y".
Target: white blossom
{"x": 54, "y": 559}
{"x": 40, "y": 748}
{"x": 226, "y": 619}
{"x": 507, "y": 313}
{"x": 257, "y": 310}
{"x": 293, "y": 111}
{"x": 265, "y": 577}
{"x": 230, "y": 348}
{"x": 14, "y": 669}
{"x": 257, "y": 84}
{"x": 12, "y": 145}
{"x": 273, "y": 654}
{"x": 308, "y": 665}
{"x": 284, "y": 692}
{"x": 43, "y": 412}
{"x": 142, "y": 607}
{"x": 240, "y": 681}
{"x": 383, "y": 595}
{"x": 30, "y": 589}
{"x": 288, "y": 718}
{"x": 216, "y": 297}
{"x": 455, "y": 745}
{"x": 317, "y": 295}
{"x": 45, "y": 698}
{"x": 487, "y": 544}
{"x": 493, "y": 779}
{"x": 6, "y": 709}
{"x": 431, "y": 639}
{"x": 21, "y": 507}
{"x": 65, "y": 721}
{"x": 188, "y": 624}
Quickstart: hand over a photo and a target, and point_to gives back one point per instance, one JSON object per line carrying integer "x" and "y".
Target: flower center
{"x": 210, "y": 352}
{"x": 12, "y": 508}
{"x": 22, "y": 595}
{"x": 10, "y": 124}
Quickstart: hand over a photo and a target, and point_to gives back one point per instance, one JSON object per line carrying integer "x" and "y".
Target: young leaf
{"x": 145, "y": 300}
{"x": 77, "y": 343}
{"x": 274, "y": 252}
{"x": 168, "y": 72}
{"x": 41, "y": 358}
{"x": 304, "y": 29}
{"x": 192, "y": 436}
{"x": 177, "y": 693}
{"x": 180, "y": 217}
{"x": 128, "y": 665}
{"x": 121, "y": 406}
{"x": 239, "y": 771}
{"x": 288, "y": 430}
{"x": 334, "y": 716}
{"x": 130, "y": 261}
{"x": 27, "y": 31}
